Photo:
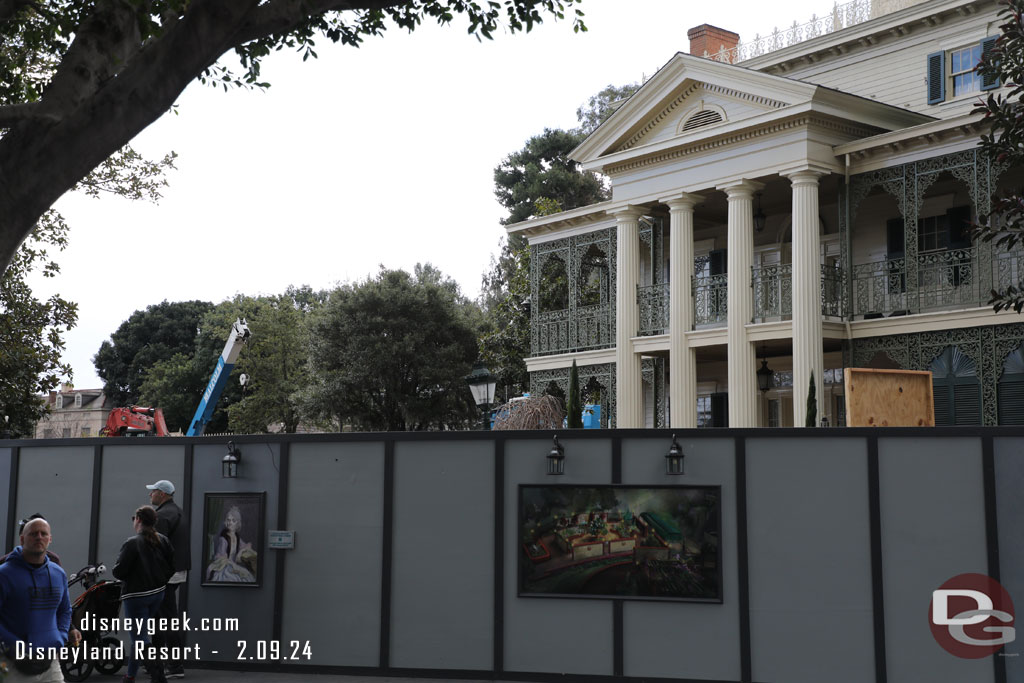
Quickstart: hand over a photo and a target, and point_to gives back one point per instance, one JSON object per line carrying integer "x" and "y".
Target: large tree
{"x": 1003, "y": 144}
{"x": 542, "y": 172}
{"x": 31, "y": 331}
{"x": 275, "y": 361}
{"x": 145, "y": 339}
{"x": 602, "y": 105}
{"x": 391, "y": 354}
{"x": 538, "y": 180}
{"x": 83, "y": 77}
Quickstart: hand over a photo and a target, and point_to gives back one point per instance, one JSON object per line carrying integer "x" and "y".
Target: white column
{"x": 742, "y": 363}
{"x": 628, "y": 395}
{"x": 807, "y": 343}
{"x": 682, "y": 359}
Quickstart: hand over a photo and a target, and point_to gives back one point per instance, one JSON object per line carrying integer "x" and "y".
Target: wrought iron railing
{"x": 710, "y": 294}
{"x": 947, "y": 279}
{"x": 833, "y": 301}
{"x": 591, "y": 327}
{"x": 879, "y": 288}
{"x": 652, "y": 301}
{"x": 1007, "y": 269}
{"x": 773, "y": 291}
{"x": 841, "y": 16}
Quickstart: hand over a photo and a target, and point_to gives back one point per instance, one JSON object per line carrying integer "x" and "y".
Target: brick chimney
{"x": 711, "y": 39}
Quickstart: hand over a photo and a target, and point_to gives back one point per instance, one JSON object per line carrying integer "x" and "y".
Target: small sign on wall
{"x": 281, "y": 540}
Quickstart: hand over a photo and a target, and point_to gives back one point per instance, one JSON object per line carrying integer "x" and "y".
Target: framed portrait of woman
{"x": 233, "y": 531}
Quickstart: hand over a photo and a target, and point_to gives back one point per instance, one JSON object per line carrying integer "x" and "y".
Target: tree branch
{"x": 281, "y": 16}
{"x": 13, "y": 114}
{"x": 103, "y": 45}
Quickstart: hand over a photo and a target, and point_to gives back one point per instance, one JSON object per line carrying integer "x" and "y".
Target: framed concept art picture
{"x": 233, "y": 526}
{"x": 631, "y": 542}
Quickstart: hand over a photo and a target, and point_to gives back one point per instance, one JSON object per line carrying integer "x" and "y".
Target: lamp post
{"x": 482, "y": 383}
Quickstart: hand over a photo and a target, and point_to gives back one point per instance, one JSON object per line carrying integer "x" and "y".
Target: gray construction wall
{"x": 406, "y": 548}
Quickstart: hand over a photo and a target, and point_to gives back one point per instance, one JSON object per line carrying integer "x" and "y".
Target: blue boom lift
{"x": 236, "y": 339}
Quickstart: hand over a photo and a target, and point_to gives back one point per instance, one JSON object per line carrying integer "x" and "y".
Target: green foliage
{"x": 145, "y": 339}
{"x": 505, "y": 342}
{"x": 812, "y": 404}
{"x": 31, "y": 330}
{"x": 602, "y": 105}
{"x": 82, "y": 78}
{"x": 175, "y": 385}
{"x": 275, "y": 359}
{"x": 538, "y": 180}
{"x": 36, "y": 36}
{"x": 1003, "y": 144}
{"x": 572, "y": 404}
{"x": 541, "y": 173}
{"x": 391, "y": 353}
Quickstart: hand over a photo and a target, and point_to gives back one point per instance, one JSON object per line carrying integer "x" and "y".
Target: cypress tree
{"x": 812, "y": 404}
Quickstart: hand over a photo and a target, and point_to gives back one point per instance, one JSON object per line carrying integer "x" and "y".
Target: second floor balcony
{"x": 939, "y": 280}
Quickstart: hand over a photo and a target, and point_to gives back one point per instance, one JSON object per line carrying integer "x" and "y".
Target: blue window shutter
{"x": 936, "y": 77}
{"x": 988, "y": 82}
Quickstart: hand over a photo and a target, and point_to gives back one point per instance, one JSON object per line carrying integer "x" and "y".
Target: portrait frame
{"x": 234, "y": 560}
{"x": 620, "y": 542}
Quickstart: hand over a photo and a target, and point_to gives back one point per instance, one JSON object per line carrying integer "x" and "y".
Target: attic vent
{"x": 702, "y": 118}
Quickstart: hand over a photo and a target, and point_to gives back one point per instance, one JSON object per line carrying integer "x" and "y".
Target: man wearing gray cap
{"x": 171, "y": 522}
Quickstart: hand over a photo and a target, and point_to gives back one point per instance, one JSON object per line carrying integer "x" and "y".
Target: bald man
{"x": 35, "y": 608}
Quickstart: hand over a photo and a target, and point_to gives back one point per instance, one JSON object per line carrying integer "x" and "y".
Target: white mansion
{"x": 796, "y": 204}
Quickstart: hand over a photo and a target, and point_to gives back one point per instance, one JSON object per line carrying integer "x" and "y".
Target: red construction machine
{"x": 135, "y": 421}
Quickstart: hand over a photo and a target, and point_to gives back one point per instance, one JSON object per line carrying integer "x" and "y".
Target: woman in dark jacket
{"x": 144, "y": 565}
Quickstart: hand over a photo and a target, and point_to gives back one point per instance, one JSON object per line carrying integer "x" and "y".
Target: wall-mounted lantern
{"x": 556, "y": 458}
{"x": 229, "y": 463}
{"x": 674, "y": 458}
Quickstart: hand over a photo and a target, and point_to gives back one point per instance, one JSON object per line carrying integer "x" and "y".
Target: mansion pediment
{"x": 692, "y": 99}
{"x": 700, "y": 107}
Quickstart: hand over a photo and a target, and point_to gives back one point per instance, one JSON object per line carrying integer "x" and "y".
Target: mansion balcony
{"x": 945, "y": 280}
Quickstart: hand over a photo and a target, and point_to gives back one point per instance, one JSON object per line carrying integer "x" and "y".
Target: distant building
{"x": 73, "y": 413}
{"x": 799, "y": 202}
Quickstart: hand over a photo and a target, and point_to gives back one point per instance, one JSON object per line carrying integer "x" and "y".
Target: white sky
{"x": 377, "y": 155}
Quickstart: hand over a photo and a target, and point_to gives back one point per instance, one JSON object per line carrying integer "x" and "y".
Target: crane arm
{"x": 204, "y": 412}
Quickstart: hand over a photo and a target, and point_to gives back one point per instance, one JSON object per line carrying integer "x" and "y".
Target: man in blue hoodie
{"x": 34, "y": 605}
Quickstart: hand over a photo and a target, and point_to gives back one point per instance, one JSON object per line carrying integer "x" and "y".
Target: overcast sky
{"x": 377, "y": 155}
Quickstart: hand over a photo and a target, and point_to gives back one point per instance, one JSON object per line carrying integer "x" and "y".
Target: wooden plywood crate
{"x": 889, "y": 398}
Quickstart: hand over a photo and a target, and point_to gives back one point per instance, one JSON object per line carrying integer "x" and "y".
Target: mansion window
{"x": 703, "y": 411}
{"x": 963, "y": 78}
{"x": 60, "y": 401}
{"x": 950, "y": 73}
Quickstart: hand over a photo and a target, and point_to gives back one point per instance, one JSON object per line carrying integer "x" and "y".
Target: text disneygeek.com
{"x": 258, "y": 650}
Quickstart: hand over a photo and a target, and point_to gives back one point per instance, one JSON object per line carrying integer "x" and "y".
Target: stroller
{"x": 101, "y": 600}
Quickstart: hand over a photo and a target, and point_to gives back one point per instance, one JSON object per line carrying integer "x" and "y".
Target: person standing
{"x": 144, "y": 565}
{"x": 35, "y": 607}
{"x": 171, "y": 522}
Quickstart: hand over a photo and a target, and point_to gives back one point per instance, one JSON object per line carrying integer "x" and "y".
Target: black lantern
{"x": 229, "y": 463}
{"x": 759, "y": 217}
{"x": 482, "y": 383}
{"x": 674, "y": 458}
{"x": 765, "y": 375}
{"x": 556, "y": 458}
